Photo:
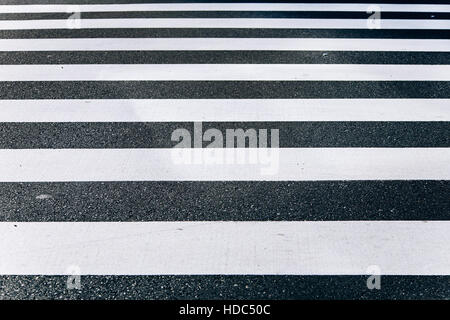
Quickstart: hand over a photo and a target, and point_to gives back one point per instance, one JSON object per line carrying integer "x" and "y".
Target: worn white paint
{"x": 201, "y": 248}
{"x": 224, "y": 7}
{"x": 178, "y": 164}
{"x": 251, "y": 72}
{"x": 223, "y": 23}
{"x": 208, "y": 44}
{"x": 179, "y": 110}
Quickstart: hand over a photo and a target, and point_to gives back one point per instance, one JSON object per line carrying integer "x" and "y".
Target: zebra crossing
{"x": 92, "y": 94}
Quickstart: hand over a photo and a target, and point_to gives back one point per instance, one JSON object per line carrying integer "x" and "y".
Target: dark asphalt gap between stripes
{"x": 221, "y": 57}
{"x": 222, "y": 89}
{"x": 208, "y": 287}
{"x": 315, "y": 134}
{"x": 226, "y": 14}
{"x": 375, "y": 200}
{"x": 224, "y": 33}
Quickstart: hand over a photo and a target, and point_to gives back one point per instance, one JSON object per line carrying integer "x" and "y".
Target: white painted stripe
{"x": 210, "y": 248}
{"x": 180, "y": 164}
{"x": 223, "y": 23}
{"x": 213, "y": 72}
{"x": 197, "y": 44}
{"x": 225, "y": 7}
{"x": 179, "y": 110}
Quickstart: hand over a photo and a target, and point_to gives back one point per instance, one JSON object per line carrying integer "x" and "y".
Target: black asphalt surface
{"x": 225, "y": 287}
{"x": 226, "y": 33}
{"x": 223, "y": 57}
{"x": 225, "y": 201}
{"x": 225, "y": 14}
{"x": 222, "y": 89}
{"x": 158, "y": 134}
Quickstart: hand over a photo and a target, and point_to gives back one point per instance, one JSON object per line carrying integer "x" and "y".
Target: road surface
{"x": 353, "y": 180}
